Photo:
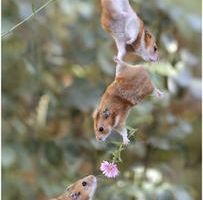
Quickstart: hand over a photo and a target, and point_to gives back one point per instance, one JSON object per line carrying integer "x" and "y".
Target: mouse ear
{"x": 94, "y": 114}
{"x": 106, "y": 113}
{"x": 74, "y": 195}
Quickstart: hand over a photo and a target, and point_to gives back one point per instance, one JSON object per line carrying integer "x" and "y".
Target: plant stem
{"x": 27, "y": 18}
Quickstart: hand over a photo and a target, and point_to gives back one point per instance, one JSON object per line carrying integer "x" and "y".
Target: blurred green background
{"x": 56, "y": 66}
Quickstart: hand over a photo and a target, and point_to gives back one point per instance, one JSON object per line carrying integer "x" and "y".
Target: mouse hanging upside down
{"x": 127, "y": 29}
{"x": 130, "y": 86}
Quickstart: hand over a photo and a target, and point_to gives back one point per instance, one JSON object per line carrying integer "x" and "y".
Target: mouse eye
{"x": 84, "y": 183}
{"x": 101, "y": 129}
{"x": 155, "y": 48}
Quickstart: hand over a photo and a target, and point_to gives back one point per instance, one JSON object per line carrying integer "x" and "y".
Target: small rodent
{"x": 83, "y": 189}
{"x": 121, "y": 21}
{"x": 130, "y": 86}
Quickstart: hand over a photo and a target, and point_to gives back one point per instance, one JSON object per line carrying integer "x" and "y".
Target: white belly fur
{"x": 118, "y": 27}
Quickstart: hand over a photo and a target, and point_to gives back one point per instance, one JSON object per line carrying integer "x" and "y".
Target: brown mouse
{"x": 130, "y": 86}
{"x": 82, "y": 189}
{"x": 128, "y": 30}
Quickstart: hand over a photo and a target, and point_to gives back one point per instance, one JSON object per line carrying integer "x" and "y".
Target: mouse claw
{"x": 126, "y": 141}
{"x": 115, "y": 59}
{"x": 158, "y": 93}
{"x": 130, "y": 41}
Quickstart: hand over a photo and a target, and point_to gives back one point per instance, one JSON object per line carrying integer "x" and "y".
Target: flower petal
{"x": 109, "y": 170}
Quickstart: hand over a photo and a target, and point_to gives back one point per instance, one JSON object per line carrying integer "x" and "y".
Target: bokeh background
{"x": 55, "y": 68}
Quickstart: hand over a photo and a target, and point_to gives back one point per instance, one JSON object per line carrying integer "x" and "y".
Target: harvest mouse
{"x": 130, "y": 86}
{"x": 82, "y": 189}
{"x": 127, "y": 29}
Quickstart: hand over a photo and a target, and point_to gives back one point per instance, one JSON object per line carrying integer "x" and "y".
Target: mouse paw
{"x": 126, "y": 141}
{"x": 116, "y": 59}
{"x": 158, "y": 93}
{"x": 130, "y": 41}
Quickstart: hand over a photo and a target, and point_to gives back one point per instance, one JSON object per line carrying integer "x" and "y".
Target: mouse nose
{"x": 99, "y": 138}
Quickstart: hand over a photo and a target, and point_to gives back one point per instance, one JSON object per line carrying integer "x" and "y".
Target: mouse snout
{"x": 92, "y": 178}
{"x": 99, "y": 138}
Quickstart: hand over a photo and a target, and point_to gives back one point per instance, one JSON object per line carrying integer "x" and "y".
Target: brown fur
{"x": 144, "y": 43}
{"x": 149, "y": 40}
{"x": 131, "y": 85}
{"x": 106, "y": 17}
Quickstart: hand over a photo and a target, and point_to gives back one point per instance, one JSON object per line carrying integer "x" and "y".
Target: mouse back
{"x": 133, "y": 84}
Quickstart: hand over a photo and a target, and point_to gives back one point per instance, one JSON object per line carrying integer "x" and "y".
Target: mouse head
{"x": 83, "y": 189}
{"x": 104, "y": 121}
{"x": 144, "y": 46}
{"x": 149, "y": 50}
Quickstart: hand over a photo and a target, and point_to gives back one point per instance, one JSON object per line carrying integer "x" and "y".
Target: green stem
{"x": 27, "y": 18}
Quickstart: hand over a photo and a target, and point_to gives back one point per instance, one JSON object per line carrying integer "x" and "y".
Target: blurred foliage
{"x": 54, "y": 70}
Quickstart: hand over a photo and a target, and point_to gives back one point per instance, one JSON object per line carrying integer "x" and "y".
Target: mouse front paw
{"x": 116, "y": 59}
{"x": 126, "y": 141}
{"x": 158, "y": 93}
{"x": 130, "y": 41}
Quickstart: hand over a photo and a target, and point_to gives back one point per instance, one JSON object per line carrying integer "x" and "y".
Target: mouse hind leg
{"x": 116, "y": 8}
{"x": 120, "y": 43}
{"x": 131, "y": 30}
